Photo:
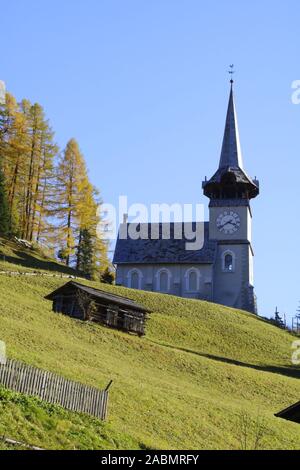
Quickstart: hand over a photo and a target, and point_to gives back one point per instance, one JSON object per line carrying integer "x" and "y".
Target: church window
{"x": 192, "y": 277}
{"x": 134, "y": 279}
{"x": 193, "y": 281}
{"x": 163, "y": 280}
{"x": 228, "y": 261}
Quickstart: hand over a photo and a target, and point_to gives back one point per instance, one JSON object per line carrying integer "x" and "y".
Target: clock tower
{"x": 230, "y": 190}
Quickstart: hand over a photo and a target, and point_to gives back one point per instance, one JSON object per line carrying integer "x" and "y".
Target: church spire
{"x": 231, "y": 155}
{"x": 230, "y": 180}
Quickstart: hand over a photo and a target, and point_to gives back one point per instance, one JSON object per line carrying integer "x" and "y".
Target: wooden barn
{"x": 86, "y": 303}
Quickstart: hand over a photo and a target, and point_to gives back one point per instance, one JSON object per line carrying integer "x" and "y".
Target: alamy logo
{"x": 160, "y": 221}
{"x": 2, "y": 353}
{"x": 296, "y": 94}
{"x": 296, "y": 353}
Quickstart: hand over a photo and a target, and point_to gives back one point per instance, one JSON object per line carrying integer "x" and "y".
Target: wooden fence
{"x": 53, "y": 388}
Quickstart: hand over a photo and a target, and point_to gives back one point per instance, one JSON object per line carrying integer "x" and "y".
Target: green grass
{"x": 51, "y": 427}
{"x": 183, "y": 386}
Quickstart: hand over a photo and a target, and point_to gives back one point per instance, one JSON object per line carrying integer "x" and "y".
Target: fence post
{"x": 108, "y": 386}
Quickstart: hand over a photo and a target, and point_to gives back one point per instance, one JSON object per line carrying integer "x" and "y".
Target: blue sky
{"x": 143, "y": 86}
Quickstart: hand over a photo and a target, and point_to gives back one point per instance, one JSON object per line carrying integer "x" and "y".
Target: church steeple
{"x": 231, "y": 155}
{"x": 230, "y": 180}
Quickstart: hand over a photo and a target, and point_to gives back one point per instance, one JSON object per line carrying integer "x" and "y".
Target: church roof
{"x": 159, "y": 250}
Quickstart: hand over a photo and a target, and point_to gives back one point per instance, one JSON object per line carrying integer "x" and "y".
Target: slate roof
{"x": 100, "y": 294}
{"x": 160, "y": 251}
{"x": 231, "y": 154}
{"x": 240, "y": 175}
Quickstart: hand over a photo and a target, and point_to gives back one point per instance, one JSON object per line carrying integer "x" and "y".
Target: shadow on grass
{"x": 292, "y": 371}
{"x": 28, "y": 260}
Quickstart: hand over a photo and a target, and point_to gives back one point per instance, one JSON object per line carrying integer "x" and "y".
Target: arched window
{"x": 135, "y": 279}
{"x": 228, "y": 261}
{"x": 163, "y": 280}
{"x": 192, "y": 278}
{"x": 193, "y": 281}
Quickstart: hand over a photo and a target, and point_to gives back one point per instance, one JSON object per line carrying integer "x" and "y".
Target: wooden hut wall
{"x": 68, "y": 305}
{"x": 118, "y": 317}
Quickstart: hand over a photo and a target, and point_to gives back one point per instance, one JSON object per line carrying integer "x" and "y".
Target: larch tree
{"x": 13, "y": 139}
{"x": 28, "y": 154}
{"x": 16, "y": 160}
{"x": 91, "y": 250}
{"x": 71, "y": 172}
{"x": 39, "y": 135}
{"x": 78, "y": 213}
{"x": 4, "y": 208}
{"x": 43, "y": 198}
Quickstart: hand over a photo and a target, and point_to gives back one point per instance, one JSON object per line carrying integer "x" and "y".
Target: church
{"x": 222, "y": 270}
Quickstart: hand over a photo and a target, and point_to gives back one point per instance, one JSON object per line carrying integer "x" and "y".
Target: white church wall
{"x": 229, "y": 285}
{"x": 177, "y": 278}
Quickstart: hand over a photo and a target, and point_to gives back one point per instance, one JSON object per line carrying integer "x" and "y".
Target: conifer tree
{"x": 28, "y": 154}
{"x": 298, "y": 312}
{"x": 45, "y": 201}
{"x": 16, "y": 156}
{"x": 8, "y": 112}
{"x": 78, "y": 212}
{"x": 85, "y": 253}
{"x": 108, "y": 276}
{"x": 71, "y": 172}
{"x": 41, "y": 153}
{"x": 4, "y": 209}
{"x": 278, "y": 319}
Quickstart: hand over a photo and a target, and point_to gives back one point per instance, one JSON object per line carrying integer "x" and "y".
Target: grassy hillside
{"x": 185, "y": 385}
{"x": 52, "y": 427}
{"x": 18, "y": 258}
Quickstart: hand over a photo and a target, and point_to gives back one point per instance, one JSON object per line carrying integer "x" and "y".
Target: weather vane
{"x": 231, "y": 72}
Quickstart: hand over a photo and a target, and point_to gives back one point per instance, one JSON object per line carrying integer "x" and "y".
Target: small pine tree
{"x": 298, "y": 312}
{"x": 85, "y": 253}
{"x": 278, "y": 320}
{"x": 4, "y": 208}
{"x": 108, "y": 276}
{"x": 62, "y": 255}
{"x": 296, "y": 320}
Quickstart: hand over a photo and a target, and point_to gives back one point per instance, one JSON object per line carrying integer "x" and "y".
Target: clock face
{"x": 228, "y": 222}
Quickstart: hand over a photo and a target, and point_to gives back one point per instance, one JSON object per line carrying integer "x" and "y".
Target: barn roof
{"x": 292, "y": 413}
{"x": 158, "y": 250}
{"x": 99, "y": 294}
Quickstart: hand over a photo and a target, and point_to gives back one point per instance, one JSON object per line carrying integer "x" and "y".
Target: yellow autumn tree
{"x": 78, "y": 213}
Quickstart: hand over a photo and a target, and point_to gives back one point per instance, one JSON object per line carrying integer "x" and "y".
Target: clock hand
{"x": 226, "y": 223}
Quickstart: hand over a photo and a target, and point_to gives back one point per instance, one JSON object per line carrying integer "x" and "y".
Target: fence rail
{"x": 54, "y": 388}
